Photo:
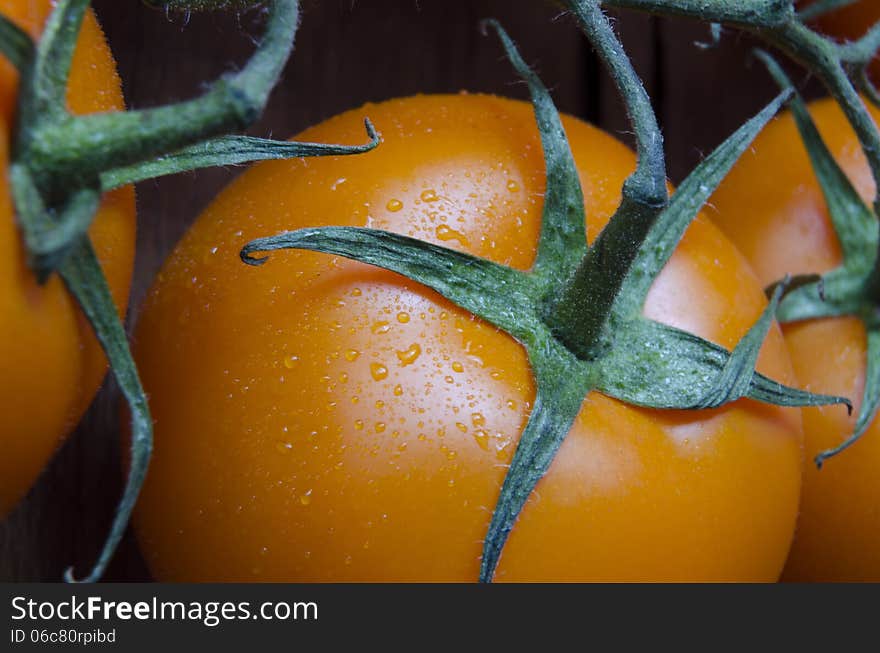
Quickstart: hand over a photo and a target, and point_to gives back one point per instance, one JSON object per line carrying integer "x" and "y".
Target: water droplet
{"x": 359, "y": 424}
{"x": 306, "y": 497}
{"x": 380, "y": 327}
{"x": 461, "y": 427}
{"x": 398, "y": 390}
{"x": 429, "y": 195}
{"x": 351, "y": 355}
{"x": 380, "y": 427}
{"x": 482, "y": 439}
{"x": 477, "y": 419}
{"x": 457, "y": 367}
{"x": 356, "y": 292}
{"x": 290, "y": 361}
{"x": 403, "y": 318}
{"x": 511, "y": 404}
{"x": 394, "y": 205}
{"x": 378, "y": 371}
{"x": 445, "y": 232}
{"x": 347, "y": 560}
{"x": 283, "y": 447}
{"x": 409, "y": 355}
{"x": 380, "y": 404}
{"x": 512, "y": 186}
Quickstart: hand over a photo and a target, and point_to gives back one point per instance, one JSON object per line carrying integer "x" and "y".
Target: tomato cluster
{"x": 319, "y": 419}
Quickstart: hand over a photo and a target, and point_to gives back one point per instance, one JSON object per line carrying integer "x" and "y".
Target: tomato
{"x": 318, "y": 419}
{"x": 771, "y": 206}
{"x": 52, "y": 364}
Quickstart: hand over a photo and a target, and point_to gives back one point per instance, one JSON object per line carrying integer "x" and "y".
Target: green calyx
{"x": 853, "y": 288}
{"x": 61, "y": 164}
{"x": 579, "y": 311}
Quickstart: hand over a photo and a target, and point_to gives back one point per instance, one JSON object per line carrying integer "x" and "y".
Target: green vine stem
{"x": 61, "y": 164}
{"x": 588, "y": 342}
{"x": 839, "y": 66}
{"x": 853, "y": 288}
{"x": 822, "y": 7}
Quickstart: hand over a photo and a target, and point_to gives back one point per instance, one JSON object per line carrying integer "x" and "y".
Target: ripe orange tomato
{"x": 771, "y": 206}
{"x": 321, "y": 420}
{"x": 52, "y": 364}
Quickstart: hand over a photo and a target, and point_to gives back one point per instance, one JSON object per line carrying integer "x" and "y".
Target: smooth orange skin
{"x": 771, "y": 206}
{"x": 299, "y": 439}
{"x": 52, "y": 364}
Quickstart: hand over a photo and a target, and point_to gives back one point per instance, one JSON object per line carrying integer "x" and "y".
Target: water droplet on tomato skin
{"x": 351, "y": 355}
{"x": 482, "y": 439}
{"x": 378, "y": 371}
{"x": 409, "y": 355}
{"x": 394, "y": 205}
{"x": 444, "y": 232}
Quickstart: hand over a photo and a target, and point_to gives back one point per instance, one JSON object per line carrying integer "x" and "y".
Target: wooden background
{"x": 349, "y": 52}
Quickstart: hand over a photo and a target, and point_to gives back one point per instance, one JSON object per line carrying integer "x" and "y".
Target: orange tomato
{"x": 52, "y": 364}
{"x": 321, "y": 420}
{"x": 771, "y": 206}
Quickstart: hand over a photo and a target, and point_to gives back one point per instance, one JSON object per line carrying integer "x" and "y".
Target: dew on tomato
{"x": 401, "y": 433}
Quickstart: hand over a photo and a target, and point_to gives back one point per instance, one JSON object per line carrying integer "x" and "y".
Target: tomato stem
{"x": 851, "y": 289}
{"x": 602, "y": 342}
{"x": 840, "y": 67}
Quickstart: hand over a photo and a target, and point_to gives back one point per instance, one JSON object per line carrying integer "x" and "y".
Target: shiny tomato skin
{"x": 772, "y": 208}
{"x": 321, "y": 420}
{"x": 52, "y": 364}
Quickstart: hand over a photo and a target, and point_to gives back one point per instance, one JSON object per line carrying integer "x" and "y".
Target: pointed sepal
{"x": 82, "y": 274}
{"x": 498, "y": 294}
{"x": 870, "y": 398}
{"x": 659, "y": 366}
{"x": 854, "y": 222}
{"x": 669, "y": 228}
{"x": 561, "y": 383}
{"x": 16, "y": 44}
{"x": 229, "y": 151}
{"x": 563, "y": 239}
